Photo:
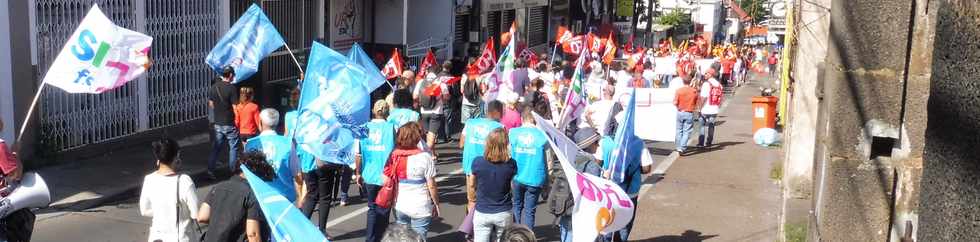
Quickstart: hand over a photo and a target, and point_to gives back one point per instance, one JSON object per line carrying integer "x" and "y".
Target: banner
{"x": 395, "y": 65}
{"x": 575, "y": 45}
{"x": 601, "y": 206}
{"x": 247, "y": 42}
{"x": 575, "y": 100}
{"x": 610, "y": 52}
{"x": 374, "y": 76}
{"x": 423, "y": 68}
{"x": 665, "y": 65}
{"x": 286, "y": 222}
{"x": 487, "y": 58}
{"x": 99, "y": 56}
{"x": 530, "y": 56}
{"x": 333, "y": 106}
{"x": 346, "y": 23}
{"x": 563, "y": 35}
{"x": 629, "y": 148}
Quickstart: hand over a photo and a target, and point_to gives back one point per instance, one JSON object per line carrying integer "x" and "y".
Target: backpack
{"x": 715, "y": 94}
{"x": 471, "y": 91}
{"x": 429, "y": 95}
{"x": 538, "y": 103}
{"x": 559, "y": 194}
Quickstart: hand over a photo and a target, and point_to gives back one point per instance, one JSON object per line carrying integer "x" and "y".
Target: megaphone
{"x": 32, "y": 192}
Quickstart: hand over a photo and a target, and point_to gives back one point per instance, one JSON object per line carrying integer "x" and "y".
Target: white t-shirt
{"x": 706, "y": 93}
{"x": 599, "y": 111}
{"x": 413, "y": 199}
{"x": 158, "y": 199}
{"x": 676, "y": 83}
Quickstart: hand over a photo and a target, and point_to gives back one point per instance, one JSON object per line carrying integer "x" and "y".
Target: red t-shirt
{"x": 8, "y": 161}
{"x": 247, "y": 118}
{"x": 686, "y": 99}
{"x": 726, "y": 66}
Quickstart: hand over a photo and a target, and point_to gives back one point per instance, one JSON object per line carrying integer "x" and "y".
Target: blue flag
{"x": 334, "y": 105}
{"x": 248, "y": 41}
{"x": 278, "y": 152}
{"x": 286, "y": 222}
{"x": 374, "y": 77}
{"x": 629, "y": 148}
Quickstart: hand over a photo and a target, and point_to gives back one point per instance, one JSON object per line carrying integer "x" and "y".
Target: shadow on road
{"x": 687, "y": 236}
{"x": 716, "y": 147}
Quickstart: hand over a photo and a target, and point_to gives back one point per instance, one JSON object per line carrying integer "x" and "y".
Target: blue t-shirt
{"x": 607, "y": 144}
{"x": 278, "y": 150}
{"x": 375, "y": 150}
{"x": 476, "y": 133}
{"x": 307, "y": 162}
{"x": 493, "y": 185}
{"x": 527, "y": 145}
{"x": 401, "y": 116}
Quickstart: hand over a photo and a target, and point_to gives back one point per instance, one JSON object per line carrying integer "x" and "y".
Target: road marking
{"x": 364, "y": 209}
{"x": 661, "y": 168}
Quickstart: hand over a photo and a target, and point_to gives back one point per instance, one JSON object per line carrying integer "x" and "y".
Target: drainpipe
{"x": 405, "y": 24}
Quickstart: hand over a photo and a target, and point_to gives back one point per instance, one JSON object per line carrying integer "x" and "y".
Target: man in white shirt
{"x": 597, "y": 113}
{"x": 710, "y": 101}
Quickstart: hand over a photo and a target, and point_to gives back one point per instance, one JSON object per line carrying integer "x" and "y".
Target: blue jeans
{"x": 685, "y": 122}
{"x": 565, "y": 228}
{"x": 526, "y": 201}
{"x": 224, "y": 134}
{"x": 419, "y": 225}
{"x": 707, "y": 129}
{"x": 623, "y": 234}
{"x": 377, "y": 217}
{"x": 485, "y": 223}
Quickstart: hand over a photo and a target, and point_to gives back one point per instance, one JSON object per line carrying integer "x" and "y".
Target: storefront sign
{"x": 346, "y": 19}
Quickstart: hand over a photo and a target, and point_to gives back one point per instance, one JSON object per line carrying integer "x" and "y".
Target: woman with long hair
{"x": 492, "y": 175}
{"x": 417, "y": 202}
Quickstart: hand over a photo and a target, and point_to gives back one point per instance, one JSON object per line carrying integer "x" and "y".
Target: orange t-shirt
{"x": 247, "y": 118}
{"x": 686, "y": 99}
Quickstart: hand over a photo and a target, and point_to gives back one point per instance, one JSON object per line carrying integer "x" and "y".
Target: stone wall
{"x": 949, "y": 205}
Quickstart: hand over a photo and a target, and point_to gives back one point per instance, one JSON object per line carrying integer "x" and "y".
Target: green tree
{"x": 754, "y": 8}
{"x": 675, "y": 18}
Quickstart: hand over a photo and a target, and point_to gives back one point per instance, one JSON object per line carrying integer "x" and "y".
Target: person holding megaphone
{"x": 16, "y": 218}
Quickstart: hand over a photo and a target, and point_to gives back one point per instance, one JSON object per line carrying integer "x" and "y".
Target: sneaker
{"x": 343, "y": 203}
{"x": 211, "y": 176}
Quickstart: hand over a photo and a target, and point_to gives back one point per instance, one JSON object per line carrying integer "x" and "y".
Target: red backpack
{"x": 715, "y": 94}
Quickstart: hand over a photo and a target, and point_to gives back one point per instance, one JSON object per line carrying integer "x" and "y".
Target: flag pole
{"x": 30, "y": 111}
{"x": 553, "y": 49}
{"x": 294, "y": 57}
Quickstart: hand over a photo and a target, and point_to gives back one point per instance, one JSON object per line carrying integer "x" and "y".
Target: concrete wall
{"x": 864, "y": 96}
{"x": 802, "y": 127}
{"x": 950, "y": 188}
{"x": 430, "y": 18}
{"x": 6, "y": 80}
{"x": 388, "y": 29}
{"x": 16, "y": 73}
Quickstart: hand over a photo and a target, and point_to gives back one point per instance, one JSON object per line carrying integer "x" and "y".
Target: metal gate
{"x": 172, "y": 92}
{"x": 296, "y": 21}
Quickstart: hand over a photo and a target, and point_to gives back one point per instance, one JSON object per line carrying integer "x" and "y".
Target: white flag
{"x": 99, "y": 56}
{"x": 601, "y": 206}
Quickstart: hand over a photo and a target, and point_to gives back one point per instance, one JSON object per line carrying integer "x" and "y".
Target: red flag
{"x": 629, "y": 45}
{"x": 530, "y": 56}
{"x": 610, "y": 52}
{"x": 429, "y": 61}
{"x": 575, "y": 45}
{"x": 488, "y": 58}
{"x": 635, "y": 60}
{"x": 395, "y": 65}
{"x": 595, "y": 43}
{"x": 563, "y": 35}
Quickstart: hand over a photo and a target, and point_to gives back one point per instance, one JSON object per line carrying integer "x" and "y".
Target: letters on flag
{"x": 286, "y": 222}
{"x": 333, "y": 106}
{"x": 248, "y": 41}
{"x": 429, "y": 61}
{"x": 563, "y": 35}
{"x": 530, "y": 56}
{"x": 574, "y": 45}
{"x": 374, "y": 76}
{"x": 595, "y": 43}
{"x": 395, "y": 65}
{"x": 487, "y": 59}
{"x": 601, "y": 206}
{"x": 99, "y": 56}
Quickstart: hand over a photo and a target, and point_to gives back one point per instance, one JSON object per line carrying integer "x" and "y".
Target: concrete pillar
{"x": 949, "y": 205}
{"x": 17, "y": 82}
{"x": 864, "y": 83}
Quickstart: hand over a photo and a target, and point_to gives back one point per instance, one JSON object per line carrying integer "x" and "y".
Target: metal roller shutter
{"x": 537, "y": 26}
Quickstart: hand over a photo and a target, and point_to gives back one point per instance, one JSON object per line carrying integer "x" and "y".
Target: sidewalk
{"x": 83, "y": 184}
{"x": 721, "y": 194}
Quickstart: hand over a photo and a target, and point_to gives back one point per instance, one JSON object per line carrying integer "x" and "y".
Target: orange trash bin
{"x": 763, "y": 112}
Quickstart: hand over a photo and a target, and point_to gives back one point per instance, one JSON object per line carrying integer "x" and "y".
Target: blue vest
{"x": 375, "y": 149}
{"x": 401, "y": 116}
{"x": 607, "y": 144}
{"x": 476, "y": 133}
{"x": 277, "y": 150}
{"x": 527, "y": 145}
{"x": 307, "y": 162}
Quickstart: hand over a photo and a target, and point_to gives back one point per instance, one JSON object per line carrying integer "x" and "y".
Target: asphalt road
{"x": 120, "y": 220}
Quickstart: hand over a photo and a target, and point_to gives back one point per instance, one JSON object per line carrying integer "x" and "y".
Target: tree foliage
{"x": 675, "y": 18}
{"x": 755, "y": 8}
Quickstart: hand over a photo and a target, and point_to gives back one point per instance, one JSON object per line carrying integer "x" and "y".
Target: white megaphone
{"x": 32, "y": 192}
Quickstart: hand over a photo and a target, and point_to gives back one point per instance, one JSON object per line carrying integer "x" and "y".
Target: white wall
{"x": 6, "y": 76}
{"x": 429, "y": 18}
{"x": 388, "y": 29}
{"x": 812, "y": 41}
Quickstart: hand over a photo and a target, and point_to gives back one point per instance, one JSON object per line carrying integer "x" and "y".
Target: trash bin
{"x": 763, "y": 112}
